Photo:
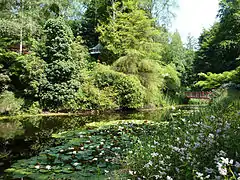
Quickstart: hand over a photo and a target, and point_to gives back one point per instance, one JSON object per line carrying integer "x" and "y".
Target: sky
{"x": 194, "y": 15}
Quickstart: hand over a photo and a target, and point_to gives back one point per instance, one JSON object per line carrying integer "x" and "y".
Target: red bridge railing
{"x": 198, "y": 95}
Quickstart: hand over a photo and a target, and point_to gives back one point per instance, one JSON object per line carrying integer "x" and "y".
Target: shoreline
{"x": 93, "y": 112}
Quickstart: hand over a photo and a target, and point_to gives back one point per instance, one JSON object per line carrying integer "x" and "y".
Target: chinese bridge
{"x": 198, "y": 95}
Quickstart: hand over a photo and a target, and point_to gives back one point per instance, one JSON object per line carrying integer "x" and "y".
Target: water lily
{"x": 75, "y": 164}
{"x": 48, "y": 167}
{"x": 37, "y": 166}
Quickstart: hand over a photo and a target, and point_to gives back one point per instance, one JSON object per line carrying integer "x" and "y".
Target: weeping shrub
{"x": 153, "y": 76}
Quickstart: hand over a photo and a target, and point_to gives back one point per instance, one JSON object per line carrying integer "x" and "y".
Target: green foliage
{"x": 176, "y": 53}
{"x": 198, "y": 101}
{"x": 213, "y": 80}
{"x": 126, "y": 90}
{"x": 171, "y": 78}
{"x": 9, "y": 29}
{"x": 61, "y": 84}
{"x": 130, "y": 29}
{"x": 29, "y": 73}
{"x": 219, "y": 46}
{"x": 58, "y": 40}
{"x": 79, "y": 53}
{"x": 153, "y": 76}
{"x": 7, "y": 62}
{"x": 9, "y": 104}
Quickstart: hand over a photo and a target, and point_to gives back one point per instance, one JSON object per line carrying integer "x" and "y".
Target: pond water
{"x": 22, "y": 138}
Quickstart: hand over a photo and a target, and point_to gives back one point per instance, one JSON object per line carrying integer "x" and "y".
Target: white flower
{"x": 155, "y": 142}
{"x": 130, "y": 172}
{"x": 48, "y": 167}
{"x": 222, "y": 171}
{"x": 169, "y": 178}
{"x": 106, "y": 160}
{"x": 74, "y": 152}
{"x": 199, "y": 175}
{"x": 154, "y": 154}
{"x": 75, "y": 164}
{"x": 95, "y": 159}
{"x": 150, "y": 163}
{"x": 106, "y": 171}
{"x": 102, "y": 143}
{"x": 37, "y": 167}
{"x": 61, "y": 150}
{"x": 71, "y": 148}
{"x": 130, "y": 152}
{"x": 82, "y": 148}
{"x": 157, "y": 176}
{"x": 211, "y": 136}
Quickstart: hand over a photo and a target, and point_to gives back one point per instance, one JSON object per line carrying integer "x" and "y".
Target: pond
{"x": 22, "y": 138}
{"x": 25, "y": 137}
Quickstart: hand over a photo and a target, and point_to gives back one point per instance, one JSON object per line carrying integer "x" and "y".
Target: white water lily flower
{"x": 75, "y": 164}
{"x": 82, "y": 148}
{"x": 106, "y": 160}
{"x": 95, "y": 159}
{"x": 48, "y": 167}
{"x": 37, "y": 167}
{"x": 74, "y": 152}
{"x": 61, "y": 150}
{"x": 71, "y": 148}
{"x": 169, "y": 178}
{"x": 102, "y": 143}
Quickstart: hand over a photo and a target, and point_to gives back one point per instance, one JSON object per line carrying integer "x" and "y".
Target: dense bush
{"x": 126, "y": 90}
{"x": 9, "y": 104}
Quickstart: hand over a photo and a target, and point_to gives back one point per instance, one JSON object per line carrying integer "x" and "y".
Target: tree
{"x": 60, "y": 85}
{"x": 161, "y": 10}
{"x": 131, "y": 29}
{"x": 219, "y": 46}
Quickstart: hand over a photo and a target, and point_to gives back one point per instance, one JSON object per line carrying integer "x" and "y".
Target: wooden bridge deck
{"x": 198, "y": 95}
